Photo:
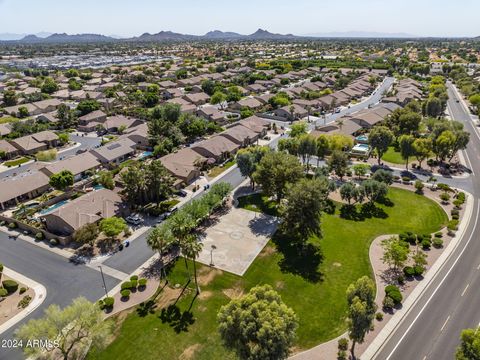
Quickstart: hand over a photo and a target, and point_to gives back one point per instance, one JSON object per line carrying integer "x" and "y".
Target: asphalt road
{"x": 63, "y": 280}
{"x": 431, "y": 329}
{"x": 85, "y": 143}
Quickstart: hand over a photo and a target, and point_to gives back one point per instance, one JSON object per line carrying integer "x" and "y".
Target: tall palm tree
{"x": 191, "y": 248}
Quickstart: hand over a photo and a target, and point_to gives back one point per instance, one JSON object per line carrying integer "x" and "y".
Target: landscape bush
{"x": 438, "y": 235}
{"x": 409, "y": 237}
{"x": 342, "y": 355}
{"x": 24, "y": 302}
{"x": 134, "y": 277}
{"x": 445, "y": 197}
{"x": 437, "y": 243}
{"x": 343, "y": 344}
{"x": 388, "y": 302}
{"x": 134, "y": 284}
{"x": 125, "y": 293}
{"x": 126, "y": 285}
{"x": 394, "y": 293}
{"x": 108, "y": 302}
{"x": 142, "y": 282}
{"x": 53, "y": 242}
{"x": 426, "y": 244}
{"x": 12, "y": 225}
{"x": 39, "y": 236}
{"x": 1, "y": 268}
{"x": 408, "y": 271}
{"x": 419, "y": 270}
{"x": 10, "y": 285}
{"x": 3, "y": 292}
{"x": 452, "y": 225}
{"x": 379, "y": 316}
{"x": 22, "y": 290}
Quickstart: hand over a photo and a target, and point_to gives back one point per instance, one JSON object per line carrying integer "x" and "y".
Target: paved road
{"x": 449, "y": 304}
{"x": 63, "y": 280}
{"x": 85, "y": 143}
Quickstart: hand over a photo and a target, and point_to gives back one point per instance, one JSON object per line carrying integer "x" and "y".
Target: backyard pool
{"x": 53, "y": 207}
{"x": 362, "y": 138}
{"x": 145, "y": 154}
{"x": 362, "y": 149}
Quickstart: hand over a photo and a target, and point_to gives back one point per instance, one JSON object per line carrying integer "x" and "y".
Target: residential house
{"x": 240, "y": 135}
{"x": 217, "y": 147}
{"x": 113, "y": 153}
{"x": 24, "y": 186}
{"x": 184, "y": 165}
{"x": 77, "y": 164}
{"x": 7, "y": 150}
{"x": 291, "y": 112}
{"x": 88, "y": 122}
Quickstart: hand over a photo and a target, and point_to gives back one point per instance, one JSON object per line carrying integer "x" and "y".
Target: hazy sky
{"x": 134, "y": 17}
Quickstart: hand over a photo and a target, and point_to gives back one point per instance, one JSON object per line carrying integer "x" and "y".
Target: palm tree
{"x": 191, "y": 248}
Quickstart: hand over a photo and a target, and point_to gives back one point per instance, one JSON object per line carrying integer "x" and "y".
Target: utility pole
{"x": 103, "y": 279}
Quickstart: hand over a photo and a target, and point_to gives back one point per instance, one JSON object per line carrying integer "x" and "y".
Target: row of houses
{"x": 406, "y": 90}
{"x": 29, "y": 144}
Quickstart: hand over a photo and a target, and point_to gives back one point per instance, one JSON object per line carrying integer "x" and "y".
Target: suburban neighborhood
{"x": 245, "y": 197}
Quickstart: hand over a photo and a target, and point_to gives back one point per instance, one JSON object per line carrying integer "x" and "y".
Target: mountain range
{"x": 169, "y": 36}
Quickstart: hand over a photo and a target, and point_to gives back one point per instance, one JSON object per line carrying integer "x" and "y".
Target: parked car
{"x": 182, "y": 193}
{"x": 134, "y": 219}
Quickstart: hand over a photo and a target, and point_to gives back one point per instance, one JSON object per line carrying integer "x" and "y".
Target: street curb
{"x": 40, "y": 295}
{"x": 398, "y": 318}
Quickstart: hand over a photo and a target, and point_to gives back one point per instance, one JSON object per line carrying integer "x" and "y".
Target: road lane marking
{"x": 445, "y": 323}
{"x": 424, "y": 357}
{"x": 465, "y": 290}
{"x": 478, "y": 267}
{"x": 436, "y": 289}
{"x": 469, "y": 163}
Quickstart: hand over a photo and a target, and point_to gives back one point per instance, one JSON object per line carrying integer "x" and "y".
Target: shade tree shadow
{"x": 177, "y": 319}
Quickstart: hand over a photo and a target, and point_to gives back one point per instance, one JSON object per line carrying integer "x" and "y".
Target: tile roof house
{"x": 86, "y": 209}
{"x": 22, "y": 187}
{"x": 8, "y": 149}
{"x": 115, "y": 152}
{"x": 77, "y": 164}
{"x": 250, "y": 103}
{"x": 89, "y": 121}
{"x": 287, "y": 113}
{"x": 28, "y": 145}
{"x": 113, "y": 123}
{"x": 240, "y": 135}
{"x": 256, "y": 124}
{"x": 139, "y": 135}
{"x": 217, "y": 147}
{"x": 197, "y": 98}
{"x": 184, "y": 164}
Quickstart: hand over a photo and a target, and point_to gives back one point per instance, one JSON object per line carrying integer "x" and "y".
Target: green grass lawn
{"x": 394, "y": 157}
{"x": 313, "y": 287}
{"x": 258, "y": 203}
{"x": 217, "y": 170}
{"x": 16, "y": 162}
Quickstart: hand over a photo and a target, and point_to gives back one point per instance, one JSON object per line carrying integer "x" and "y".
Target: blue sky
{"x": 133, "y": 17}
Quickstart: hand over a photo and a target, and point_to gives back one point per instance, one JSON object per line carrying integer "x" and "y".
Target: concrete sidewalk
{"x": 40, "y": 295}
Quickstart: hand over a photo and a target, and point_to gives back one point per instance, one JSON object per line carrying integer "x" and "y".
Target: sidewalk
{"x": 40, "y": 295}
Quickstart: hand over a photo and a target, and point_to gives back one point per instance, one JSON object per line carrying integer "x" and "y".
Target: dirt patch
{"x": 337, "y": 264}
{"x": 233, "y": 293}
{"x": 189, "y": 352}
{"x": 205, "y": 295}
{"x": 267, "y": 251}
{"x": 206, "y": 275}
{"x": 167, "y": 296}
{"x": 279, "y": 285}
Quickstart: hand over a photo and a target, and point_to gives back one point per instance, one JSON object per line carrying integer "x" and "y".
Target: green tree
{"x": 49, "y": 86}
{"x": 247, "y": 160}
{"x": 395, "y": 252}
{"x": 380, "y": 139}
{"x": 374, "y": 190}
{"x": 23, "y": 112}
{"x": 338, "y": 163}
{"x": 444, "y": 144}
{"x": 64, "y": 138}
{"x": 349, "y": 192}
{"x": 361, "y": 310}
{"x": 275, "y": 171}
{"x": 307, "y": 147}
{"x": 87, "y": 106}
{"x": 422, "y": 148}
{"x": 474, "y": 100}
{"x": 360, "y": 169}
{"x": 218, "y": 97}
{"x": 305, "y": 201}
{"x": 409, "y": 122}
{"x": 105, "y": 178}
{"x": 469, "y": 348}
{"x": 10, "y": 98}
{"x": 112, "y": 226}
{"x": 258, "y": 325}
{"x": 407, "y": 150}
{"x": 86, "y": 234}
{"x": 299, "y": 128}
{"x": 75, "y": 328}
{"x": 62, "y": 180}
{"x": 322, "y": 147}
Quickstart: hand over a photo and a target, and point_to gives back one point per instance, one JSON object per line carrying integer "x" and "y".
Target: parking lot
{"x": 238, "y": 238}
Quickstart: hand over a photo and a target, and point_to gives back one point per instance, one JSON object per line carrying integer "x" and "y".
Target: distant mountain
{"x": 163, "y": 36}
{"x": 77, "y": 38}
{"x": 261, "y": 34}
{"x": 13, "y": 36}
{"x": 217, "y": 34}
{"x": 361, "y": 34}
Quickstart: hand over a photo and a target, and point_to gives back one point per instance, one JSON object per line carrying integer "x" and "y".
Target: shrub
{"x": 406, "y": 179}
{"x": 24, "y": 302}
{"x": 461, "y": 197}
{"x": 452, "y": 225}
{"x": 341, "y": 355}
{"x": 22, "y": 290}
{"x": 457, "y": 203}
{"x": 419, "y": 270}
{"x": 426, "y": 244}
{"x": 12, "y": 225}
{"x": 379, "y": 316}
{"x": 101, "y": 304}
{"x": 343, "y": 344}
{"x": 408, "y": 271}
{"x": 134, "y": 277}
{"x": 409, "y": 237}
{"x": 438, "y": 235}
{"x": 10, "y": 285}
{"x": 455, "y": 212}
{"x": 394, "y": 293}
{"x": 142, "y": 282}
{"x": 3, "y": 292}
{"x": 438, "y": 243}
{"x": 126, "y": 285}
{"x": 125, "y": 293}
{"x": 445, "y": 197}
{"x": 134, "y": 284}
{"x": 455, "y": 216}
{"x": 401, "y": 279}
{"x": 419, "y": 186}
{"x": 108, "y": 302}
{"x": 388, "y": 302}
{"x": 1, "y": 268}
{"x": 53, "y": 242}
{"x": 39, "y": 236}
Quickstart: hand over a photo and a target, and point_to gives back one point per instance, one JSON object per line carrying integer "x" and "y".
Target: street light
{"x": 103, "y": 279}
{"x": 213, "y": 247}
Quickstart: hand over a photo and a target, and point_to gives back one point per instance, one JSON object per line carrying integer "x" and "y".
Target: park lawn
{"x": 217, "y": 170}
{"x": 394, "y": 157}
{"x": 259, "y": 203}
{"x": 16, "y": 162}
{"x": 315, "y": 290}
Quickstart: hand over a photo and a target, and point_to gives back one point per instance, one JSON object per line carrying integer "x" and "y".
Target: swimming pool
{"x": 145, "y": 154}
{"x": 53, "y": 207}
{"x": 362, "y": 138}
